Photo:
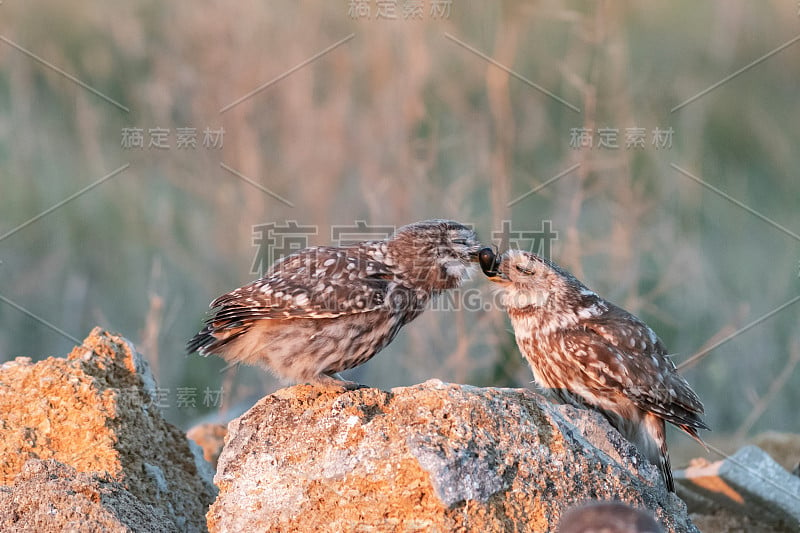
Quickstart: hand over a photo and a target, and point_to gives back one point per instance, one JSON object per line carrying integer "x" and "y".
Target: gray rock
{"x": 748, "y": 483}
{"x": 433, "y": 457}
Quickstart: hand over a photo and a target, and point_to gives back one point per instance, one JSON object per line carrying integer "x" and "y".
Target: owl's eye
{"x": 460, "y": 241}
{"x": 523, "y": 270}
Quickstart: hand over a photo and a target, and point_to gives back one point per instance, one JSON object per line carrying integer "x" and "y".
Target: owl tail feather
{"x": 666, "y": 467}
{"x": 692, "y": 432}
{"x": 656, "y": 448}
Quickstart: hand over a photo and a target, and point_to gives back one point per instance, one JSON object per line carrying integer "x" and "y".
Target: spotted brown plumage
{"x": 323, "y": 310}
{"x": 587, "y": 351}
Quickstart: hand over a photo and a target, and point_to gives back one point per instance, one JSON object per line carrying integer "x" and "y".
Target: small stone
{"x": 748, "y": 483}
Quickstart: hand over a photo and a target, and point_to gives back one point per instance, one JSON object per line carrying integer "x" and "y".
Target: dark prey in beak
{"x": 489, "y": 262}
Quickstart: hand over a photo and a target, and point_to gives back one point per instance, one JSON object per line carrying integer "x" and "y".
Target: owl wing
{"x": 622, "y": 353}
{"x": 321, "y": 282}
{"x": 622, "y": 329}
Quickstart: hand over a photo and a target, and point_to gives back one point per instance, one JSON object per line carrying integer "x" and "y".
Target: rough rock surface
{"x": 51, "y": 496}
{"x": 433, "y": 457}
{"x": 94, "y": 411}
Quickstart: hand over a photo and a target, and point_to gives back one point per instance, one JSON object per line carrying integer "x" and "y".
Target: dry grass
{"x": 398, "y": 124}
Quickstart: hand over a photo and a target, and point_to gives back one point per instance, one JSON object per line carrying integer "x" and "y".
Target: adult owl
{"x": 323, "y": 310}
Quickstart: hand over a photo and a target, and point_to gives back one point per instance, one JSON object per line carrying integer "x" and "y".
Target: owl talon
{"x": 335, "y": 381}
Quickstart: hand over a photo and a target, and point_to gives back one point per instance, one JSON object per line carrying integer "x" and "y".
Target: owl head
{"x": 435, "y": 254}
{"x": 529, "y": 279}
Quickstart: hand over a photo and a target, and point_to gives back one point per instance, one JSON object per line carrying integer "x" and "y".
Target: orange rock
{"x": 433, "y": 457}
{"x": 94, "y": 412}
{"x": 211, "y": 438}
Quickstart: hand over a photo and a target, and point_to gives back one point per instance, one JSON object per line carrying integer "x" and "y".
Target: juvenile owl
{"x": 323, "y": 310}
{"x": 588, "y": 352}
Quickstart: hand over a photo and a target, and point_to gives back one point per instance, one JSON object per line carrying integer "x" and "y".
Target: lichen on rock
{"x": 434, "y": 456}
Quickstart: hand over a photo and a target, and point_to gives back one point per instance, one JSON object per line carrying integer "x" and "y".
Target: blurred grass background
{"x": 403, "y": 122}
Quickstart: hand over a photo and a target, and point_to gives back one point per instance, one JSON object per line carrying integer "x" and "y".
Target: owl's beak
{"x": 498, "y": 277}
{"x": 474, "y": 254}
